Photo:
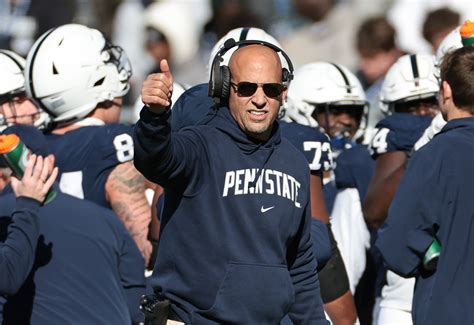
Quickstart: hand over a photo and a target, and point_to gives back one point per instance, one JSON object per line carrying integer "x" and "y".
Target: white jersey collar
{"x": 90, "y": 121}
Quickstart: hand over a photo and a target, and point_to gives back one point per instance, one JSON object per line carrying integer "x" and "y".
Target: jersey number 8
{"x": 123, "y": 143}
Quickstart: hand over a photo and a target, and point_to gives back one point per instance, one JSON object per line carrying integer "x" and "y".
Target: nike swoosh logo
{"x": 263, "y": 210}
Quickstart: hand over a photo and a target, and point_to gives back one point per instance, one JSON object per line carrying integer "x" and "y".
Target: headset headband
{"x": 231, "y": 43}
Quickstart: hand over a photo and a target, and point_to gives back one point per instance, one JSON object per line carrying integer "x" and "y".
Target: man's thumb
{"x": 165, "y": 68}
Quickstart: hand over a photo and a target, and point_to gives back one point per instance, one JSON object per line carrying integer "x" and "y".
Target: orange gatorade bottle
{"x": 467, "y": 33}
{"x": 16, "y": 154}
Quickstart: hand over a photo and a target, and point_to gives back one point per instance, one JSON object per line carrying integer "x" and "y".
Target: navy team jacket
{"x": 434, "y": 200}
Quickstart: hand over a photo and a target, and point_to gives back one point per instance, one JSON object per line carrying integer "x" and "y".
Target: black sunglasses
{"x": 247, "y": 89}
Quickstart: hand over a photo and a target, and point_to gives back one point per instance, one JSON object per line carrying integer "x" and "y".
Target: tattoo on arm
{"x": 125, "y": 190}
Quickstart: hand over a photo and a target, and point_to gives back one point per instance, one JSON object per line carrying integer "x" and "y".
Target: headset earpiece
{"x": 286, "y": 76}
{"x": 225, "y": 75}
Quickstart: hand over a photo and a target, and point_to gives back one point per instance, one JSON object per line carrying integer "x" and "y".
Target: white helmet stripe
{"x": 414, "y": 69}
{"x": 346, "y": 81}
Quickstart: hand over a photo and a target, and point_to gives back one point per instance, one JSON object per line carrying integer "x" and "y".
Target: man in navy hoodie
{"x": 434, "y": 201}
{"x": 235, "y": 243}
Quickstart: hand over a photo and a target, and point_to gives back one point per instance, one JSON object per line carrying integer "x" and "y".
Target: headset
{"x": 219, "y": 82}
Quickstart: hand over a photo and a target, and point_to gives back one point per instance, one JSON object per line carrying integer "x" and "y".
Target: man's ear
{"x": 284, "y": 95}
{"x": 447, "y": 92}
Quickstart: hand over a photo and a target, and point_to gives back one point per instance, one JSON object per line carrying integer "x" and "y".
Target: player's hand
{"x": 35, "y": 183}
{"x": 157, "y": 89}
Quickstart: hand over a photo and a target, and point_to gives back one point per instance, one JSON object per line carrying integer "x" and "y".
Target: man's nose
{"x": 259, "y": 98}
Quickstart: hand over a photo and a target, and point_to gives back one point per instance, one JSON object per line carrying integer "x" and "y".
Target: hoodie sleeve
{"x": 173, "y": 160}
{"x": 17, "y": 253}
{"x": 411, "y": 223}
{"x": 308, "y": 305}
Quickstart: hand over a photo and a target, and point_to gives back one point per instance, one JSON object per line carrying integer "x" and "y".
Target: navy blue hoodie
{"x": 235, "y": 243}
{"x": 17, "y": 251}
{"x": 87, "y": 268}
{"x": 434, "y": 200}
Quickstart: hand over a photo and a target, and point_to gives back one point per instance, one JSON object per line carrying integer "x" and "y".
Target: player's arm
{"x": 338, "y": 302}
{"x": 154, "y": 233}
{"x": 414, "y": 215}
{"x": 318, "y": 207}
{"x": 389, "y": 168}
{"x": 154, "y": 229}
{"x": 125, "y": 190}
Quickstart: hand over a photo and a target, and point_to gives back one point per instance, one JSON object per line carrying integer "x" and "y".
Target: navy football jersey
{"x": 398, "y": 132}
{"x": 192, "y": 107}
{"x": 86, "y": 156}
{"x": 311, "y": 142}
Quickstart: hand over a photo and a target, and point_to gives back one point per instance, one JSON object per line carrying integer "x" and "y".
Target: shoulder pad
{"x": 311, "y": 142}
{"x": 398, "y": 132}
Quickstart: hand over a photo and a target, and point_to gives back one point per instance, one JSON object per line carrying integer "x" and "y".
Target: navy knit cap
{"x": 31, "y": 137}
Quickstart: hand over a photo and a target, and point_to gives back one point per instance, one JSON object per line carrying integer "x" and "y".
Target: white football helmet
{"x": 178, "y": 24}
{"x": 72, "y": 68}
{"x": 243, "y": 34}
{"x": 450, "y": 42}
{"x": 12, "y": 84}
{"x": 412, "y": 77}
{"x": 323, "y": 84}
{"x": 11, "y": 73}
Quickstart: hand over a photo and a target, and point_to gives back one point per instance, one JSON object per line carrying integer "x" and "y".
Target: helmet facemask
{"x": 17, "y": 108}
{"x": 342, "y": 119}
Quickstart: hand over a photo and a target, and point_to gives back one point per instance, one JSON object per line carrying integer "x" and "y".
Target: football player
{"x": 75, "y": 74}
{"x": 330, "y": 96}
{"x": 15, "y": 106}
{"x": 451, "y": 42}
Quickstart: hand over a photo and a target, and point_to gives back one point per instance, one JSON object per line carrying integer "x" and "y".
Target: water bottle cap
{"x": 467, "y": 29}
{"x": 8, "y": 142}
{"x": 467, "y": 33}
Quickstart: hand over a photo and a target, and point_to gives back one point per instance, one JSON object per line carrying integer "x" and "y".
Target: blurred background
{"x": 364, "y": 35}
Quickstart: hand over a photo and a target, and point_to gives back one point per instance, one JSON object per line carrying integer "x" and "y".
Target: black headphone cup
{"x": 225, "y": 75}
{"x": 285, "y": 76}
{"x": 215, "y": 80}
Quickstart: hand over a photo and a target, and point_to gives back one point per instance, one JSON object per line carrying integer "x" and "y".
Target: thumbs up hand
{"x": 157, "y": 89}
